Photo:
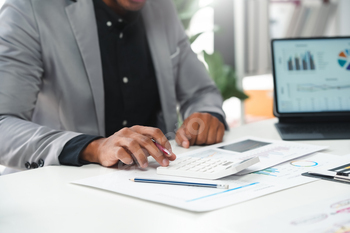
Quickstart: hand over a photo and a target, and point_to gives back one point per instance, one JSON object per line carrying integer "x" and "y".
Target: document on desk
{"x": 270, "y": 152}
{"x": 325, "y": 216}
{"x": 199, "y": 199}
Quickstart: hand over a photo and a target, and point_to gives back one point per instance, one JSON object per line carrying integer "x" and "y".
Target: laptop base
{"x": 310, "y": 131}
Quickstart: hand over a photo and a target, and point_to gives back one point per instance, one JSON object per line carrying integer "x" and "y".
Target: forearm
{"x": 79, "y": 151}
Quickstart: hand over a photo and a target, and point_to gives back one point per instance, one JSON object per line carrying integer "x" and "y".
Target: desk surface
{"x": 43, "y": 200}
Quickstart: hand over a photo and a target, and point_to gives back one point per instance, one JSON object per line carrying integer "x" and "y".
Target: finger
{"x": 160, "y": 138}
{"x": 151, "y": 148}
{"x": 191, "y": 130}
{"x": 122, "y": 155}
{"x": 203, "y": 128}
{"x": 154, "y": 133}
{"x": 172, "y": 157}
{"x": 135, "y": 150}
{"x": 181, "y": 138}
{"x": 220, "y": 132}
{"x": 213, "y": 130}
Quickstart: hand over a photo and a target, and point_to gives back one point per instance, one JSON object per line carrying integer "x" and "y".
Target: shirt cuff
{"x": 72, "y": 149}
{"x": 220, "y": 118}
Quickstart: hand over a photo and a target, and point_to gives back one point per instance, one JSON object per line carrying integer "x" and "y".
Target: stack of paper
{"x": 241, "y": 188}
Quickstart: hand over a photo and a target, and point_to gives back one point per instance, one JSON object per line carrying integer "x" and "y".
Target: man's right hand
{"x": 127, "y": 145}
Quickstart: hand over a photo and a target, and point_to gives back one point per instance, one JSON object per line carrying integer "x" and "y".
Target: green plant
{"x": 223, "y": 75}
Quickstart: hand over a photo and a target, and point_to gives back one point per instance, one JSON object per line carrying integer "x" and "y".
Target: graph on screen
{"x": 312, "y": 75}
{"x": 344, "y": 59}
{"x": 310, "y": 97}
{"x": 301, "y": 61}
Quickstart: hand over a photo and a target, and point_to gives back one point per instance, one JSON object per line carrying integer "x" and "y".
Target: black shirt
{"x": 130, "y": 85}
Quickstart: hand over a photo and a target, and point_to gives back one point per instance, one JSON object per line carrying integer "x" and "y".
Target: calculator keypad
{"x": 205, "y": 168}
{"x": 199, "y": 164}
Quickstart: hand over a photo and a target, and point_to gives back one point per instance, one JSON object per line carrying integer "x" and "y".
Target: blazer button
{"x": 27, "y": 165}
{"x": 41, "y": 162}
{"x": 34, "y": 165}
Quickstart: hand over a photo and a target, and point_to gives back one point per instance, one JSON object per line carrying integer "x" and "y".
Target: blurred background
{"x": 232, "y": 38}
{"x": 240, "y": 31}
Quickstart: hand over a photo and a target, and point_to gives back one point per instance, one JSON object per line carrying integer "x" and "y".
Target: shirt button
{"x": 27, "y": 165}
{"x": 109, "y": 23}
{"x": 34, "y": 165}
{"x": 121, "y": 35}
{"x": 125, "y": 123}
{"x": 120, "y": 20}
{"x": 41, "y": 162}
{"x": 125, "y": 80}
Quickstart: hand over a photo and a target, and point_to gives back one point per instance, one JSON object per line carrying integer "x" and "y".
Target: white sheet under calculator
{"x": 205, "y": 168}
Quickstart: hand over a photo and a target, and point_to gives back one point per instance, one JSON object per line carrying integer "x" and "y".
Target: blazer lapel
{"x": 82, "y": 19}
{"x": 161, "y": 59}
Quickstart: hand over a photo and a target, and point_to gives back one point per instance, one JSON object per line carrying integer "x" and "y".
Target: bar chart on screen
{"x": 301, "y": 61}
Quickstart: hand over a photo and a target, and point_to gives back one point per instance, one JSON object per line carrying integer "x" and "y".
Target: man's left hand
{"x": 200, "y": 129}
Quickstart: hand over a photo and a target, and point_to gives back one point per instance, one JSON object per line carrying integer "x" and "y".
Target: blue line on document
{"x": 229, "y": 190}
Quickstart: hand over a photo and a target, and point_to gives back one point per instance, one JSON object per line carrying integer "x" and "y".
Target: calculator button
{"x": 176, "y": 166}
{"x": 185, "y": 168}
{"x": 227, "y": 163}
{"x": 193, "y": 169}
{"x": 176, "y": 162}
{"x": 217, "y": 169}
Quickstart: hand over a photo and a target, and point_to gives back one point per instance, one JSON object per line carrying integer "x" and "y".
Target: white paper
{"x": 241, "y": 188}
{"x": 326, "y": 216}
{"x": 270, "y": 152}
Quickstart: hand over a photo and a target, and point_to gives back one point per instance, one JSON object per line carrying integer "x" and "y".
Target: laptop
{"x": 312, "y": 87}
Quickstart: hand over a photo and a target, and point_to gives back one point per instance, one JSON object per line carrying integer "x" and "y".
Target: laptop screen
{"x": 312, "y": 75}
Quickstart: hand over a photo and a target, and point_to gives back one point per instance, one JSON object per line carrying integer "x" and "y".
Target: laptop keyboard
{"x": 316, "y": 128}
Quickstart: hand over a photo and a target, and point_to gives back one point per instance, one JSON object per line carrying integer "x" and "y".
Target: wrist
{"x": 90, "y": 153}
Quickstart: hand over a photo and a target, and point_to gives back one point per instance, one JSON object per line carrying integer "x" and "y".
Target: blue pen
{"x": 171, "y": 182}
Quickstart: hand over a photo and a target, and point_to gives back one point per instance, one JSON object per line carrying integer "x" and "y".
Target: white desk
{"x": 43, "y": 200}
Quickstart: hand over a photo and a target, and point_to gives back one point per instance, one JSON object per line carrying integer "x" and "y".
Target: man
{"x": 93, "y": 81}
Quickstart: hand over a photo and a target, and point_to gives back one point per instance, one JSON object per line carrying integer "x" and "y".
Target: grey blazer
{"x": 51, "y": 84}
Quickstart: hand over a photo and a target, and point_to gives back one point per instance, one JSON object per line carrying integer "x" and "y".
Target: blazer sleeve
{"x": 195, "y": 90}
{"x": 21, "y": 71}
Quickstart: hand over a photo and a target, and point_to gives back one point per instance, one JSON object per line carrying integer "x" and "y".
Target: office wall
{"x": 344, "y": 17}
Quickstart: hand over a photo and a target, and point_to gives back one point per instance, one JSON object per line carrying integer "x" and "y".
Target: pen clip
{"x": 342, "y": 174}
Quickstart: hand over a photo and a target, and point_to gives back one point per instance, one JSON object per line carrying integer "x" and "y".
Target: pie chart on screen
{"x": 344, "y": 59}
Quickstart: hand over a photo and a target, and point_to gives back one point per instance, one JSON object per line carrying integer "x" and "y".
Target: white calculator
{"x": 205, "y": 168}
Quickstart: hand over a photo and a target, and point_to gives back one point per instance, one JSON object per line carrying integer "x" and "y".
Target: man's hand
{"x": 200, "y": 129}
{"x": 127, "y": 145}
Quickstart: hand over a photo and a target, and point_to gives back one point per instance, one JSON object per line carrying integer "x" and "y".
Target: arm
{"x": 197, "y": 95}
{"x": 21, "y": 71}
{"x": 196, "y": 91}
